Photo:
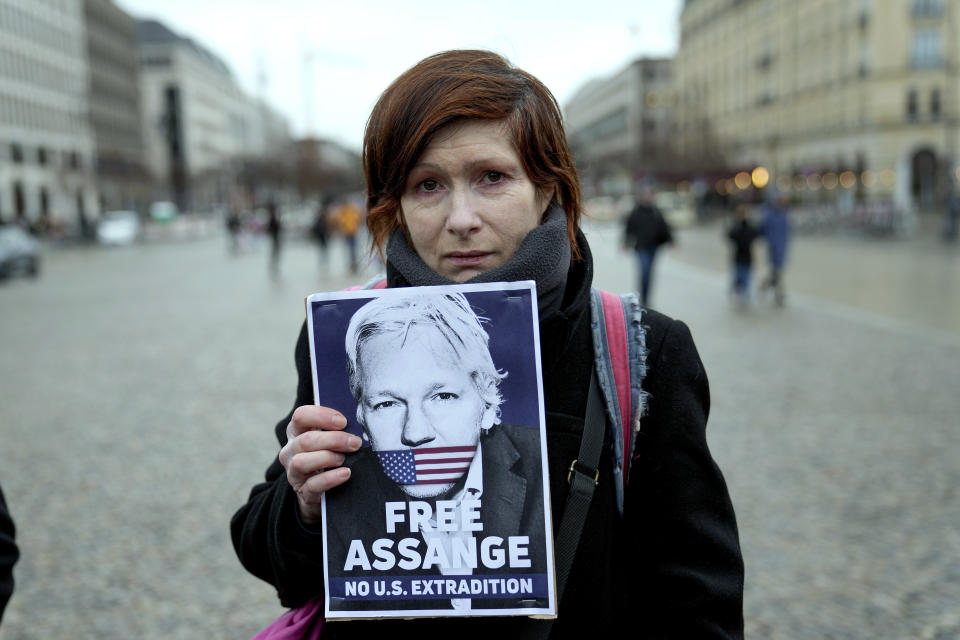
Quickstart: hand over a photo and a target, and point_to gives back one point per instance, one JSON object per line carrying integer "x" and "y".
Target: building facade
{"x": 199, "y": 127}
{"x": 838, "y": 100}
{"x": 114, "y": 96}
{"x": 620, "y": 127}
{"x": 326, "y": 168}
{"x": 46, "y": 141}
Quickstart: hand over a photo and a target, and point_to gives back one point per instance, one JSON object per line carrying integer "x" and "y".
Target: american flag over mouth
{"x": 429, "y": 465}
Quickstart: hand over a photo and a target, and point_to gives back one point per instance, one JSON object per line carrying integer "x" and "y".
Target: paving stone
{"x": 139, "y": 389}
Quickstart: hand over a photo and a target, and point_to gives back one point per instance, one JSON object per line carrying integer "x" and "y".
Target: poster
{"x": 447, "y": 511}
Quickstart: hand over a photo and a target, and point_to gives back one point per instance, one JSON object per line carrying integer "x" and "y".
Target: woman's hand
{"x": 313, "y": 455}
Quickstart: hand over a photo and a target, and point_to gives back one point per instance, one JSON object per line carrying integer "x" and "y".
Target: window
{"x": 935, "y": 104}
{"x": 864, "y": 17}
{"x": 609, "y": 126}
{"x": 864, "y": 67}
{"x": 16, "y": 153}
{"x": 927, "y": 49}
{"x": 928, "y": 8}
{"x": 765, "y": 59}
{"x": 44, "y": 201}
{"x": 41, "y": 156}
{"x": 19, "y": 201}
{"x": 912, "y": 105}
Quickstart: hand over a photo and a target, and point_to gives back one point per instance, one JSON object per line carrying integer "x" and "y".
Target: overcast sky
{"x": 356, "y": 48}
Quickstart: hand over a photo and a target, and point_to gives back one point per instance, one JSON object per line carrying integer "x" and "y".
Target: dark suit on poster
{"x": 512, "y": 504}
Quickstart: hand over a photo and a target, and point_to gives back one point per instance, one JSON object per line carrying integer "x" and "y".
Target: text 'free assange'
{"x": 492, "y": 552}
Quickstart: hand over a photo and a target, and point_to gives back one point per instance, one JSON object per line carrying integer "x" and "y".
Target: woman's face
{"x": 468, "y": 203}
{"x": 416, "y": 394}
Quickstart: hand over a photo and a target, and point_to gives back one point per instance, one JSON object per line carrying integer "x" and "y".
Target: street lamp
{"x": 760, "y": 177}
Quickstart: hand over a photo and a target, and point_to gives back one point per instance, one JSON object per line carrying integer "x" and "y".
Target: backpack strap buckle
{"x": 584, "y": 470}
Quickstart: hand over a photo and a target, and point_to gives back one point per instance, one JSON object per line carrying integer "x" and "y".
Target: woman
{"x": 469, "y": 179}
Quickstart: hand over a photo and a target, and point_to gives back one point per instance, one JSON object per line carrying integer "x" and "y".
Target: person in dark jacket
{"x": 951, "y": 220}
{"x": 645, "y": 232}
{"x": 483, "y": 188}
{"x": 8, "y": 554}
{"x": 275, "y": 231}
{"x": 741, "y": 234}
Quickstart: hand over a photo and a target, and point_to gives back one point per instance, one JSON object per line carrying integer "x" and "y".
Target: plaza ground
{"x": 139, "y": 388}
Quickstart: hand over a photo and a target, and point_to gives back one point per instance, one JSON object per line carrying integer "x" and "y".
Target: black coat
{"x": 646, "y": 228}
{"x": 8, "y": 554}
{"x": 742, "y": 234}
{"x": 670, "y": 567}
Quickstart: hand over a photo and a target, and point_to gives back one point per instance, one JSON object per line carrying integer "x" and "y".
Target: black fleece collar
{"x": 543, "y": 256}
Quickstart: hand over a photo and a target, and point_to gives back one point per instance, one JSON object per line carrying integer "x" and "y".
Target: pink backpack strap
{"x": 616, "y": 327}
{"x": 377, "y": 283}
{"x": 620, "y": 362}
{"x": 302, "y": 623}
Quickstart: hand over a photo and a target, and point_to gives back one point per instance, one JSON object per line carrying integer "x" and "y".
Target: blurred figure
{"x": 776, "y": 232}
{"x": 741, "y": 234}
{"x": 233, "y": 230}
{"x": 645, "y": 231}
{"x": 348, "y": 219}
{"x": 8, "y": 554}
{"x": 319, "y": 229}
{"x": 951, "y": 224}
{"x": 274, "y": 230}
{"x": 87, "y": 230}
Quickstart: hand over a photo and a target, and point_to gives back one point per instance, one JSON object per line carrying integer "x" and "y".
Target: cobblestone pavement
{"x": 138, "y": 388}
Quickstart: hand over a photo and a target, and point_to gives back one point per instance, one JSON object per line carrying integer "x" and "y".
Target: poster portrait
{"x": 446, "y": 512}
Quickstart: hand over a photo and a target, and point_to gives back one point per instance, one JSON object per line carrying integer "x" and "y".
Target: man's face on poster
{"x": 417, "y": 394}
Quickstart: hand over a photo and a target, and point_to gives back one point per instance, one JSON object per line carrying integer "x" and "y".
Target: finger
{"x": 315, "y": 441}
{"x": 314, "y": 486}
{"x": 304, "y": 465}
{"x": 312, "y": 417}
{"x": 330, "y": 440}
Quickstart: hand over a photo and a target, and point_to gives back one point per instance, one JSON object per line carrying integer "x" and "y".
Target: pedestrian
{"x": 645, "y": 232}
{"x": 319, "y": 229}
{"x": 349, "y": 218}
{"x": 951, "y": 223}
{"x": 741, "y": 233}
{"x": 470, "y": 180}
{"x": 233, "y": 229}
{"x": 776, "y": 232}
{"x": 274, "y": 230}
{"x": 8, "y": 554}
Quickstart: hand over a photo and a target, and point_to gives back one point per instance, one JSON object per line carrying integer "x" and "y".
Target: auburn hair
{"x": 459, "y": 85}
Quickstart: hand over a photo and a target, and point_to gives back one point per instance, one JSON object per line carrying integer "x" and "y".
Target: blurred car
{"x": 118, "y": 228}
{"x": 163, "y": 211}
{"x": 678, "y": 208}
{"x": 19, "y": 253}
